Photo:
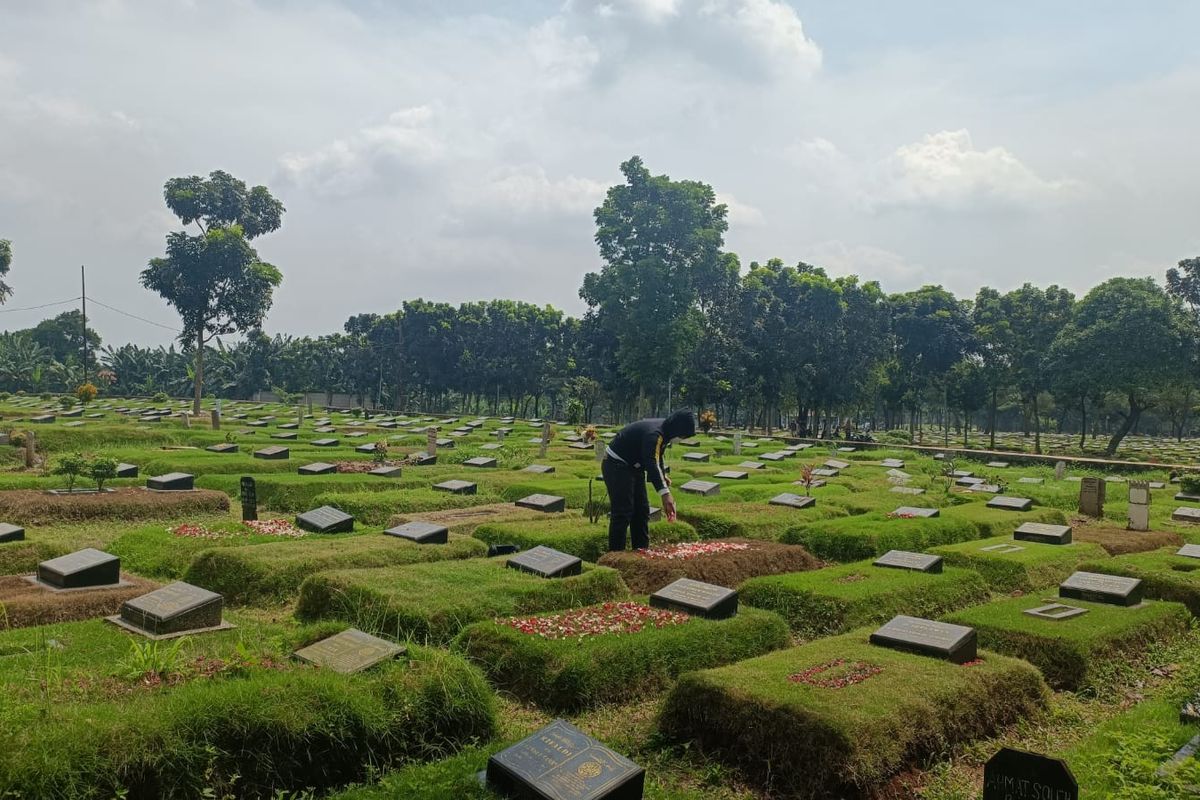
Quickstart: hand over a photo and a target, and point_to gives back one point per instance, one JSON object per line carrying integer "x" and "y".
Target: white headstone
{"x": 1060, "y": 470}
{"x": 1139, "y": 505}
{"x": 737, "y": 444}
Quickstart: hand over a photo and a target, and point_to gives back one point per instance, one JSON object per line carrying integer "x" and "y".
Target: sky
{"x": 455, "y": 151}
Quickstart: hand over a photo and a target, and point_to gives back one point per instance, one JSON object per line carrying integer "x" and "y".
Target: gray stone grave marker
{"x": 1043, "y": 533}
{"x": 543, "y": 502}
{"x": 561, "y": 762}
{"x": 547, "y": 562}
{"x": 317, "y": 468}
{"x": 1010, "y": 503}
{"x": 697, "y": 457}
{"x": 325, "y": 519}
{"x": 790, "y": 500}
{"x": 456, "y": 487}
{"x": 705, "y": 488}
{"x": 903, "y": 559}
{"x": 1100, "y": 588}
{"x": 275, "y": 452}
{"x": 916, "y": 511}
{"x": 732, "y": 475}
{"x": 421, "y": 532}
{"x": 954, "y": 643}
{"x": 1055, "y": 611}
{"x": 11, "y": 533}
{"x": 349, "y": 652}
{"x": 172, "y": 482}
{"x": 174, "y": 610}
{"x": 697, "y": 598}
{"x": 1091, "y": 497}
{"x": 86, "y": 568}
{"x": 1139, "y": 505}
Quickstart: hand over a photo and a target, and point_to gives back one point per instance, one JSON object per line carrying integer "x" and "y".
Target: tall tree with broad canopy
{"x": 1034, "y": 318}
{"x": 215, "y": 281}
{"x": 5, "y": 263}
{"x": 661, "y": 244}
{"x": 932, "y": 333}
{"x": 1133, "y": 339}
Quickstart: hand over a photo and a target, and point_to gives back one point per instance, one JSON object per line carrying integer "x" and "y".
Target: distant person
{"x": 634, "y": 456}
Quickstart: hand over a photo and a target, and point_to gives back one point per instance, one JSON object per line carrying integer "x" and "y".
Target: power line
{"x": 35, "y": 308}
{"x": 134, "y": 316}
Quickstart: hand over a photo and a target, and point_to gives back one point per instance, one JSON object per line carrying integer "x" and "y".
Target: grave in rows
{"x": 11, "y": 533}
{"x": 546, "y": 562}
{"x": 704, "y": 488}
{"x": 1186, "y": 514}
{"x": 289, "y": 426}
{"x": 325, "y": 519}
{"x": 480, "y": 462}
{"x": 421, "y": 532}
{"x": 826, "y": 472}
{"x": 815, "y": 484}
{"x": 324, "y": 442}
{"x": 539, "y": 469}
{"x": 732, "y": 475}
{"x": 916, "y": 511}
{"x": 697, "y": 457}
{"x": 770, "y": 457}
{"x": 369, "y": 447}
{"x": 789, "y": 500}
{"x": 1043, "y": 533}
{"x": 1010, "y": 503}
{"x": 697, "y": 599}
{"x": 177, "y": 609}
{"x": 916, "y": 562}
{"x": 127, "y": 470}
{"x": 954, "y": 643}
{"x": 1018, "y": 775}
{"x": 456, "y": 487}
{"x": 349, "y": 652}
{"x": 543, "y": 502}
{"x": 892, "y": 463}
{"x": 561, "y": 762}
{"x": 172, "y": 482}
{"x": 1189, "y": 551}
{"x": 1100, "y": 588}
{"x": 273, "y": 453}
{"x": 223, "y": 447}
{"x": 834, "y": 463}
{"x": 1091, "y": 497}
{"x": 1139, "y": 506}
{"x": 285, "y": 436}
{"x": 751, "y": 465}
{"x": 491, "y": 446}
{"x": 84, "y": 569}
{"x": 423, "y": 459}
{"x": 317, "y": 468}
{"x": 385, "y": 472}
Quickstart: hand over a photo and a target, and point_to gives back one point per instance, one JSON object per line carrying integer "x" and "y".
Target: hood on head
{"x": 679, "y": 425}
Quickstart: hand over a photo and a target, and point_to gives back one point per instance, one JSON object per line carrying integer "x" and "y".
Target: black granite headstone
{"x": 223, "y": 447}
{"x": 561, "y": 762}
{"x": 732, "y": 475}
{"x": 421, "y": 532}
{"x": 705, "y": 488}
{"x": 385, "y": 472}
{"x": 954, "y": 643}
{"x": 273, "y": 453}
{"x": 456, "y": 487}
{"x": 324, "y": 442}
{"x": 792, "y": 500}
{"x": 697, "y": 457}
{"x": 325, "y": 519}
{"x": 175, "y": 609}
{"x": 543, "y": 502}
{"x": 317, "y": 468}
{"x": 127, "y": 470}
{"x": 11, "y": 533}
{"x": 248, "y": 492}
{"x": 1043, "y": 533}
{"x": 83, "y": 568}
{"x": 1017, "y": 775}
{"x": 697, "y": 598}
{"x": 903, "y": 559}
{"x": 547, "y": 562}
{"x": 1100, "y": 588}
{"x": 915, "y": 511}
{"x": 482, "y": 462}
{"x": 1010, "y": 503}
{"x": 172, "y": 481}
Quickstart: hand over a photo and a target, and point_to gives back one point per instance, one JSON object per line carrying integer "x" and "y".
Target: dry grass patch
{"x": 23, "y": 605}
{"x": 1119, "y": 542}
{"x": 31, "y": 507}
{"x": 646, "y": 572}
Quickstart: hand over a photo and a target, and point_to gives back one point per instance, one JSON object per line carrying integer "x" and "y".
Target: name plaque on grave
{"x": 224, "y": 447}
{"x": 1100, "y": 588}
{"x": 480, "y": 461}
{"x": 1017, "y": 775}
{"x": 1055, "y": 611}
{"x": 349, "y": 651}
{"x": 915, "y": 511}
{"x": 455, "y": 487}
{"x": 273, "y": 453}
{"x": 954, "y": 643}
{"x": 543, "y": 502}
{"x": 421, "y": 532}
{"x": 547, "y": 562}
{"x": 84, "y": 568}
{"x": 751, "y": 465}
{"x": 698, "y": 457}
{"x": 173, "y": 610}
{"x": 317, "y": 468}
{"x": 11, "y": 533}
{"x": 325, "y": 519}
{"x": 1189, "y": 551}
{"x": 1010, "y": 503}
{"x": 561, "y": 762}
{"x": 705, "y": 488}
{"x": 834, "y": 463}
{"x": 172, "y": 481}
{"x": 1043, "y": 532}
{"x": 792, "y": 500}
{"x": 903, "y": 559}
{"x": 697, "y": 598}
{"x": 732, "y": 475}
{"x": 248, "y": 490}
{"x": 1091, "y": 497}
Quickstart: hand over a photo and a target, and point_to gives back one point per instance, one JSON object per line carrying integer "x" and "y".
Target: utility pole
{"x": 83, "y": 288}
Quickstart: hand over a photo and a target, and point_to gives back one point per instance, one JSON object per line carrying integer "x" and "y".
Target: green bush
{"x": 1035, "y": 566}
{"x": 1069, "y": 651}
{"x": 808, "y": 741}
{"x": 433, "y": 602}
{"x": 273, "y": 571}
{"x": 571, "y": 674}
{"x": 835, "y": 599}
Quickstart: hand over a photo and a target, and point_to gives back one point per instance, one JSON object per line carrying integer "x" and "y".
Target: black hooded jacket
{"x": 640, "y": 444}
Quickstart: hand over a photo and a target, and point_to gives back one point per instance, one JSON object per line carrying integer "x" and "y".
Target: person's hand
{"x": 667, "y": 479}
{"x": 669, "y": 507}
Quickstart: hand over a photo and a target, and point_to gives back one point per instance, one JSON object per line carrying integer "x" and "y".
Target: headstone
{"x": 324, "y": 442}
{"x": 697, "y": 598}
{"x": 491, "y": 446}
{"x": 1186, "y": 514}
{"x": 325, "y": 519}
{"x": 579, "y": 446}
{"x": 44, "y": 419}
{"x": 1139, "y": 505}
{"x": 423, "y": 459}
{"x": 82, "y": 569}
{"x": 892, "y": 463}
{"x": 915, "y": 511}
{"x": 561, "y": 762}
{"x": 543, "y": 502}
{"x": 771, "y": 457}
{"x": 223, "y": 447}
{"x": 547, "y": 563}
{"x": 1017, "y": 775}
{"x": 1100, "y": 588}
{"x": 1091, "y": 497}
{"x": 431, "y": 441}
{"x": 273, "y": 453}
{"x": 1189, "y": 551}
{"x": 172, "y": 481}
{"x": 700, "y": 458}
{"x": 248, "y": 492}
{"x": 545, "y": 440}
{"x": 539, "y": 469}
{"x": 455, "y": 487}
{"x": 826, "y": 472}
{"x": 751, "y": 465}
{"x": 737, "y": 443}
{"x": 480, "y": 462}
{"x": 215, "y": 418}
{"x": 349, "y": 652}
{"x": 1060, "y": 470}
{"x": 11, "y": 533}
{"x": 790, "y": 500}
{"x": 705, "y": 488}
{"x": 1010, "y": 503}
{"x": 127, "y": 470}
{"x": 903, "y": 559}
{"x": 835, "y": 463}
{"x": 732, "y": 475}
{"x": 421, "y": 532}
{"x": 953, "y": 643}
{"x": 173, "y": 610}
{"x": 1043, "y": 533}
{"x": 1033, "y": 481}
{"x": 385, "y": 472}
{"x": 289, "y": 426}
{"x": 369, "y": 447}
{"x": 318, "y": 468}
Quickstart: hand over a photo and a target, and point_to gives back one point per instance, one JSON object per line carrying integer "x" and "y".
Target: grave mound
{"x": 1011, "y": 565}
{"x": 725, "y": 562}
{"x": 26, "y": 604}
{"x": 31, "y": 507}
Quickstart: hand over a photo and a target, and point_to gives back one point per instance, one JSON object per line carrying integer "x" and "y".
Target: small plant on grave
{"x": 229, "y": 437}
{"x": 86, "y": 393}
{"x": 381, "y": 452}
{"x": 70, "y": 467}
{"x": 102, "y": 469}
{"x": 356, "y": 412}
{"x": 588, "y": 434}
{"x": 106, "y": 377}
{"x": 161, "y": 397}
{"x": 152, "y": 662}
{"x": 948, "y": 470}
{"x": 808, "y": 477}
{"x": 1190, "y": 483}
{"x": 66, "y": 402}
{"x": 708, "y": 420}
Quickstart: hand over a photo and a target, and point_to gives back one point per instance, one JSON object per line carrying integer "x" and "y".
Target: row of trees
{"x": 672, "y": 319}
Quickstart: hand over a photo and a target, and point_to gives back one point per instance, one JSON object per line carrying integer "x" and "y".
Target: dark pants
{"x": 629, "y": 507}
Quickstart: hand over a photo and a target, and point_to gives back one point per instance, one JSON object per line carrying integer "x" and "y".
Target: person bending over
{"x": 634, "y": 456}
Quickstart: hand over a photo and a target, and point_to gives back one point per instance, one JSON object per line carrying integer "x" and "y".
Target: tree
{"x": 1034, "y": 317}
{"x": 661, "y": 242}
{"x": 215, "y": 281}
{"x": 64, "y": 337}
{"x": 967, "y": 389}
{"x": 1132, "y": 338}
{"x": 993, "y": 341}
{"x": 5, "y": 262}
{"x": 932, "y": 333}
{"x": 1183, "y": 282}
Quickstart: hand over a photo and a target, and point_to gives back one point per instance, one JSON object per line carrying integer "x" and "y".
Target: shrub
{"x": 102, "y": 469}
{"x": 1068, "y": 651}
{"x": 708, "y": 420}
{"x": 273, "y": 571}
{"x": 574, "y": 673}
{"x": 1190, "y": 483}
{"x": 86, "y": 393}
{"x": 728, "y": 568}
{"x": 432, "y": 602}
{"x": 844, "y": 738}
{"x": 70, "y": 467}
{"x": 1035, "y": 566}
{"x": 836, "y": 599}
{"x": 66, "y": 402}
{"x": 161, "y": 397}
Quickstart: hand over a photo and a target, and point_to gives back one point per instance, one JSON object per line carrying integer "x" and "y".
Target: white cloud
{"x": 741, "y": 213}
{"x": 529, "y": 192}
{"x": 564, "y": 58}
{"x": 944, "y": 170}
{"x": 892, "y": 270}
